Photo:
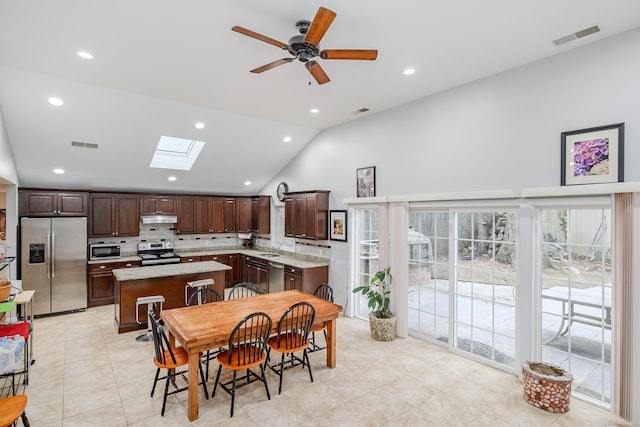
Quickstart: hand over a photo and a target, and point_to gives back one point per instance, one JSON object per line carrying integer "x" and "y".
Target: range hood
{"x": 158, "y": 219}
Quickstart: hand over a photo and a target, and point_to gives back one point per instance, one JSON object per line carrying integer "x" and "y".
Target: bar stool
{"x": 195, "y": 286}
{"x": 150, "y": 300}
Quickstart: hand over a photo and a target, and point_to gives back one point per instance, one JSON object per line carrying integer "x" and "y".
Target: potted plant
{"x": 382, "y": 321}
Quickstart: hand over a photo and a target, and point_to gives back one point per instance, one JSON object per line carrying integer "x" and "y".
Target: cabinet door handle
{"x": 102, "y": 266}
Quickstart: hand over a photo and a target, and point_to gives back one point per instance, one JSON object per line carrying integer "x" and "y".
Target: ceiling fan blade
{"x": 363, "y": 54}
{"x": 317, "y": 72}
{"x": 272, "y": 65}
{"x": 255, "y": 35}
{"x": 323, "y": 19}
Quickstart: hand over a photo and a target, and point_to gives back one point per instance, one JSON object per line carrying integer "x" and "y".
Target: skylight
{"x": 176, "y": 153}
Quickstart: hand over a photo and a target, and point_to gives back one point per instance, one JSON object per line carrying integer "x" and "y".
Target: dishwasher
{"x": 276, "y": 277}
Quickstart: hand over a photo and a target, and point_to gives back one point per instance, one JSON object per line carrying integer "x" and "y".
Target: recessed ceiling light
{"x": 315, "y": 110}
{"x": 172, "y": 178}
{"x": 247, "y": 183}
{"x": 287, "y": 139}
{"x": 55, "y": 101}
{"x": 58, "y": 171}
{"x": 408, "y": 71}
{"x": 199, "y": 125}
{"x": 85, "y": 55}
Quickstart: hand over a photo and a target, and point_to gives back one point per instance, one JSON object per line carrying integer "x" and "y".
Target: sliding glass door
{"x": 576, "y": 290}
{"x": 484, "y": 285}
{"x": 428, "y": 238}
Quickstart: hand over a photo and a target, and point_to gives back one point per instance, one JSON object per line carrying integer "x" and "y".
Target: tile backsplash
{"x": 184, "y": 243}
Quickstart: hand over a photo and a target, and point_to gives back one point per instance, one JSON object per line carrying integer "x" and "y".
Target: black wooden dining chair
{"x": 325, "y": 292}
{"x": 247, "y": 349}
{"x": 244, "y": 290}
{"x": 170, "y": 358}
{"x": 293, "y": 336}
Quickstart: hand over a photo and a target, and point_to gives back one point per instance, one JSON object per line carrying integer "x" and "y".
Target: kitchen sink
{"x": 270, "y": 255}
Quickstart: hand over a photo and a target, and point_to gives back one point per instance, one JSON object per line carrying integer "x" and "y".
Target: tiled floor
{"x": 87, "y": 375}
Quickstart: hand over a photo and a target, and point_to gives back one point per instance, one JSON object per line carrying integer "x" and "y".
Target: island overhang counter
{"x": 167, "y": 280}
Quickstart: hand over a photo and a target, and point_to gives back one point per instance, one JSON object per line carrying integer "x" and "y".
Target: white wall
{"x": 502, "y": 132}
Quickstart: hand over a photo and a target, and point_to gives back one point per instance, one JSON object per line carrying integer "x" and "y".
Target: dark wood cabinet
{"x": 213, "y": 213}
{"x": 235, "y": 274}
{"x": 158, "y": 204}
{"x": 205, "y": 214}
{"x": 187, "y": 208}
{"x": 52, "y": 203}
{"x": 289, "y": 212}
{"x": 244, "y": 214}
{"x": 307, "y": 214}
{"x": 230, "y": 225}
{"x": 292, "y": 279}
{"x": 305, "y": 279}
{"x": 101, "y": 282}
{"x": 113, "y": 215}
{"x": 257, "y": 271}
{"x": 261, "y": 214}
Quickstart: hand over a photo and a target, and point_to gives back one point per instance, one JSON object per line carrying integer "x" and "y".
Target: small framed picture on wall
{"x": 338, "y": 225}
{"x": 366, "y": 181}
{"x": 593, "y": 156}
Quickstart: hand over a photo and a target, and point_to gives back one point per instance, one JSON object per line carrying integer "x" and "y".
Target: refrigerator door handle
{"x": 48, "y": 260}
{"x": 53, "y": 254}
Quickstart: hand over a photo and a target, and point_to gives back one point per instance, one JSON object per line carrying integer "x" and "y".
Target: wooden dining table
{"x": 208, "y": 326}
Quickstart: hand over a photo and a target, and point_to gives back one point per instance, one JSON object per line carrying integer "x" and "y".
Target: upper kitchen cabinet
{"x": 209, "y": 214}
{"x": 52, "y": 203}
{"x": 243, "y": 205}
{"x": 114, "y": 215}
{"x": 187, "y": 206}
{"x": 306, "y": 214}
{"x": 261, "y": 214}
{"x": 230, "y": 225}
{"x": 158, "y": 205}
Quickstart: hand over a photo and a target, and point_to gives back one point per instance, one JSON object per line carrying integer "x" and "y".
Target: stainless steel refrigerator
{"x": 54, "y": 263}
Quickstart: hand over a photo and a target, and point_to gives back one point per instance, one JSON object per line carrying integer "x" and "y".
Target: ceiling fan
{"x": 305, "y": 46}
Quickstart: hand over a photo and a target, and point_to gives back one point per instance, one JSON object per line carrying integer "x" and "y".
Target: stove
{"x": 157, "y": 253}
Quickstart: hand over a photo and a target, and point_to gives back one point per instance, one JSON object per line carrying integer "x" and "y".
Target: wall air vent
{"x": 576, "y": 35}
{"x": 83, "y": 144}
{"x": 360, "y": 111}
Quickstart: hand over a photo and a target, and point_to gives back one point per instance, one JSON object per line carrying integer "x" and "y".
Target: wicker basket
{"x": 5, "y": 289}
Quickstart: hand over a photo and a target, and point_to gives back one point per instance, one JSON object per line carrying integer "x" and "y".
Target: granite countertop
{"x": 265, "y": 255}
{"x": 154, "y": 271}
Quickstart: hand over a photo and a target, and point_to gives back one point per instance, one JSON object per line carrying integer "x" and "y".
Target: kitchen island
{"x": 167, "y": 280}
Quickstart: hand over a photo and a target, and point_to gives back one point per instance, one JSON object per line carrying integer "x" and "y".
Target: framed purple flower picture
{"x": 593, "y": 156}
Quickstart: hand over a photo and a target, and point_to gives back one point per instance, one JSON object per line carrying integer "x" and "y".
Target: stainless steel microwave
{"x": 104, "y": 251}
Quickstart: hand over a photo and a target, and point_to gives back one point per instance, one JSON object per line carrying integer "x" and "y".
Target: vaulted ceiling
{"x": 159, "y": 67}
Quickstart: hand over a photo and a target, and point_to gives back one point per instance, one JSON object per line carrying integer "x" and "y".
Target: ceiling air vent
{"x": 360, "y": 111}
{"x": 576, "y": 35}
{"x": 83, "y": 144}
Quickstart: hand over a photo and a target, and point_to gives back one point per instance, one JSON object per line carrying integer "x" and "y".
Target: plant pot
{"x": 546, "y": 386}
{"x": 382, "y": 329}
